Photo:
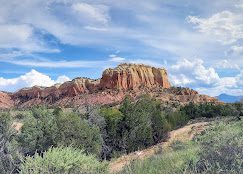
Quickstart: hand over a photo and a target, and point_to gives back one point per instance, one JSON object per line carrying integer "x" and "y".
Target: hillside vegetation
{"x": 218, "y": 149}
{"x": 41, "y": 136}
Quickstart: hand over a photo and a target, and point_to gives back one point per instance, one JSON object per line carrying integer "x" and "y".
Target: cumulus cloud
{"x": 194, "y": 70}
{"x": 226, "y": 64}
{"x": 180, "y": 80}
{"x": 205, "y": 79}
{"x": 228, "y": 85}
{"x": 225, "y": 26}
{"x": 29, "y": 79}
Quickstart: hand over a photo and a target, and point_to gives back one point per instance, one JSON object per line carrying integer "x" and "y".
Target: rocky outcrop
{"x": 5, "y": 101}
{"x": 115, "y": 84}
{"x": 52, "y": 94}
{"x": 132, "y": 77}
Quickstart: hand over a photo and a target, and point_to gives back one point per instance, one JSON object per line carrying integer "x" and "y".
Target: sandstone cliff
{"x": 115, "y": 84}
{"x": 5, "y": 101}
{"x": 132, "y": 76}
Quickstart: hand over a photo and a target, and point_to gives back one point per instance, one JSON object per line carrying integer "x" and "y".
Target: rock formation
{"x": 5, "y": 101}
{"x": 115, "y": 84}
{"x": 132, "y": 76}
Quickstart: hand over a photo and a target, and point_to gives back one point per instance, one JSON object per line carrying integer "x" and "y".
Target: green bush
{"x": 38, "y": 132}
{"x": 9, "y": 158}
{"x": 138, "y": 132}
{"x": 113, "y": 118}
{"x": 177, "y": 119}
{"x": 45, "y": 129}
{"x": 72, "y": 130}
{"x": 210, "y": 110}
{"x": 143, "y": 124}
{"x": 160, "y": 125}
{"x": 63, "y": 160}
{"x": 135, "y": 125}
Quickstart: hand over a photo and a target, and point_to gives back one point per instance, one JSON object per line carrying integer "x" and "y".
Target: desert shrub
{"x": 38, "y": 132}
{"x": 63, "y": 160}
{"x": 9, "y": 158}
{"x": 239, "y": 108}
{"x": 113, "y": 118}
{"x": 177, "y": 119}
{"x": 45, "y": 129}
{"x": 96, "y": 119}
{"x": 143, "y": 123}
{"x": 160, "y": 124}
{"x": 135, "y": 125}
{"x": 210, "y": 110}
{"x": 221, "y": 149}
{"x": 226, "y": 159}
{"x": 72, "y": 130}
{"x": 137, "y": 130}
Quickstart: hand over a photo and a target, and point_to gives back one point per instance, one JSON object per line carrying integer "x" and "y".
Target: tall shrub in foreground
{"x": 9, "y": 158}
{"x": 63, "y": 160}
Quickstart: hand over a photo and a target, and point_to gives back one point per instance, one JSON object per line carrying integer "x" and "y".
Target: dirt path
{"x": 183, "y": 134}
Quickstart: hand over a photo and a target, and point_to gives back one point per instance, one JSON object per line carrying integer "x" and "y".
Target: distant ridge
{"x": 229, "y": 98}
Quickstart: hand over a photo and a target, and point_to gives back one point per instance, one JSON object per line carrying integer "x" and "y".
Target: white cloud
{"x": 95, "y": 13}
{"x": 29, "y": 79}
{"x": 206, "y": 80}
{"x": 180, "y": 80}
{"x": 228, "y": 85}
{"x": 194, "y": 70}
{"x": 239, "y": 79}
{"x": 14, "y": 33}
{"x": 236, "y": 50}
{"x": 225, "y": 26}
{"x": 55, "y": 64}
{"x": 21, "y": 36}
{"x": 240, "y": 6}
{"x": 65, "y": 20}
{"x": 226, "y": 64}
{"x": 115, "y": 58}
{"x": 62, "y": 79}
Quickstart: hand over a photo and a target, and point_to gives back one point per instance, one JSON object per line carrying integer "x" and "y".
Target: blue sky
{"x": 200, "y": 42}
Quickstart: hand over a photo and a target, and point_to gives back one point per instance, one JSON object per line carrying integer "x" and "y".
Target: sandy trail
{"x": 183, "y": 134}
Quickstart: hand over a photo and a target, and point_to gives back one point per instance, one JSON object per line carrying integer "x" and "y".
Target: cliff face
{"x": 115, "y": 84}
{"x": 52, "y": 94}
{"x": 132, "y": 76}
{"x": 5, "y": 101}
